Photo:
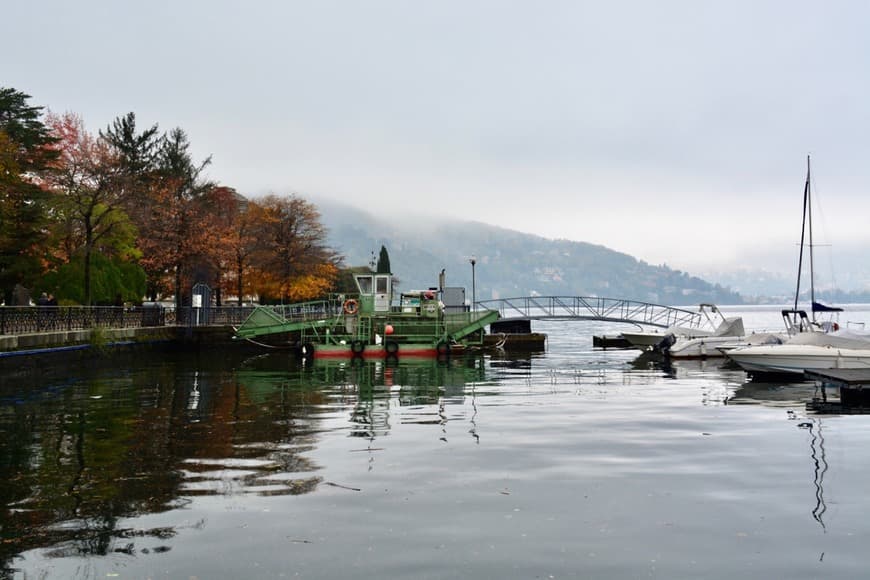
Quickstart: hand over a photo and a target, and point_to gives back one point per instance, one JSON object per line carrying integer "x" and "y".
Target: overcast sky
{"x": 675, "y": 131}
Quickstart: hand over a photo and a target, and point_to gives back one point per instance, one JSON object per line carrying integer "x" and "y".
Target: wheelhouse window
{"x": 365, "y": 284}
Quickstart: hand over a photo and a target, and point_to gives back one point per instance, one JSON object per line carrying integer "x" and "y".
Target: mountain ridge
{"x": 508, "y": 263}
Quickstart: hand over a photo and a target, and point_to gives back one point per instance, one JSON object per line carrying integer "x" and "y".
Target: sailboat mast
{"x": 797, "y": 291}
{"x": 810, "y": 228}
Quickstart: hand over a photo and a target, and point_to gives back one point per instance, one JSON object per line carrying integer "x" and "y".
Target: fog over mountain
{"x": 511, "y": 263}
{"x": 841, "y": 268}
{"x": 507, "y": 263}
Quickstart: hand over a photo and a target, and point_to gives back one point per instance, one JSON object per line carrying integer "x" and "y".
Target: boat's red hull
{"x": 378, "y": 352}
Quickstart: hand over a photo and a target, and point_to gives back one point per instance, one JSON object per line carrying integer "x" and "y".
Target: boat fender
{"x": 391, "y": 347}
{"x": 443, "y": 347}
{"x": 357, "y": 347}
{"x": 351, "y": 306}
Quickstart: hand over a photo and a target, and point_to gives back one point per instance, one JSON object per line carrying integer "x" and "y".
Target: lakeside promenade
{"x": 34, "y": 330}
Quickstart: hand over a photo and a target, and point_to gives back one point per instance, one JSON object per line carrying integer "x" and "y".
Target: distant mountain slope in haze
{"x": 508, "y": 263}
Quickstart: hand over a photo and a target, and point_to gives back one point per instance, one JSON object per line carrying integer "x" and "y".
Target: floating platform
{"x": 514, "y": 335}
{"x": 526, "y": 341}
{"x": 606, "y": 342}
{"x": 854, "y": 387}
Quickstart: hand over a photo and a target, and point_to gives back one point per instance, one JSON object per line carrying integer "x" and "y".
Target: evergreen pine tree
{"x": 25, "y": 152}
{"x": 383, "y": 262}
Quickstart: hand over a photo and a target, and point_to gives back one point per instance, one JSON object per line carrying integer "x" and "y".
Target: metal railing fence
{"x": 32, "y": 319}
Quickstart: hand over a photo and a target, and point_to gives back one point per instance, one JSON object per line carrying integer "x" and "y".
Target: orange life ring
{"x": 351, "y": 306}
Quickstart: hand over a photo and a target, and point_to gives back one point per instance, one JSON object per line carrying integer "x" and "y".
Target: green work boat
{"x": 369, "y": 325}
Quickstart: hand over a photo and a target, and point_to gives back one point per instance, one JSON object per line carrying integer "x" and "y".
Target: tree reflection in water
{"x": 85, "y": 449}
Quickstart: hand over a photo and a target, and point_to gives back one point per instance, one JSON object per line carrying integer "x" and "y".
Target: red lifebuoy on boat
{"x": 351, "y": 306}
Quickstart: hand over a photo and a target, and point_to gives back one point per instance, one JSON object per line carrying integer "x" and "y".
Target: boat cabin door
{"x": 383, "y": 297}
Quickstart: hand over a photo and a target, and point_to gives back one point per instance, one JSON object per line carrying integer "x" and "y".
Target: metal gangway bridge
{"x": 592, "y": 308}
{"x": 15, "y": 320}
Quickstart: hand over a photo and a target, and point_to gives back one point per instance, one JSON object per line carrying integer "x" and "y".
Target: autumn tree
{"x": 139, "y": 155}
{"x": 24, "y": 155}
{"x": 171, "y": 237}
{"x": 293, "y": 262}
{"x": 244, "y": 243}
{"x": 218, "y": 214}
{"x": 88, "y": 204}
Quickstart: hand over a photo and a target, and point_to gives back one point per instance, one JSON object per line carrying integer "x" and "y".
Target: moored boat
{"x": 368, "y": 325}
{"x": 652, "y": 339}
{"x": 811, "y": 344}
{"x": 805, "y": 351}
{"x": 730, "y": 332}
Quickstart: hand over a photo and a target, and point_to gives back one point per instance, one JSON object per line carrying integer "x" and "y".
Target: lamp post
{"x": 473, "y": 261}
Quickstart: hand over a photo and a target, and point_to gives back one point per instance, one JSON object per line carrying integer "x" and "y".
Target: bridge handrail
{"x": 592, "y": 308}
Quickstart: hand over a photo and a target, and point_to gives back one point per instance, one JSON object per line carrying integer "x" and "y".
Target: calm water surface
{"x": 568, "y": 463}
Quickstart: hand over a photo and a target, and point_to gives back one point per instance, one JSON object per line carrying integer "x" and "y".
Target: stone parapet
{"x": 42, "y": 342}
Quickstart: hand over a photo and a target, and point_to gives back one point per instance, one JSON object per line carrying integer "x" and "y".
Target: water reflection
{"x": 653, "y": 361}
{"x": 820, "y": 467}
{"x": 79, "y": 456}
{"x": 171, "y": 454}
{"x": 774, "y": 394}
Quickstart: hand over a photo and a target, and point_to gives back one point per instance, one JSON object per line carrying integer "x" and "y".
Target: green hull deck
{"x": 343, "y": 326}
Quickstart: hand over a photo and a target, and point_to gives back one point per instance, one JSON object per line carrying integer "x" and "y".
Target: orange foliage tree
{"x": 243, "y": 244}
{"x": 291, "y": 261}
{"x": 173, "y": 234}
{"x": 220, "y": 212}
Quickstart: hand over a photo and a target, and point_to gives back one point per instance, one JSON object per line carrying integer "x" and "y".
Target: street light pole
{"x": 473, "y": 289}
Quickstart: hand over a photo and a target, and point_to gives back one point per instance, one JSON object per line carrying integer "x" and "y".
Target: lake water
{"x": 568, "y": 463}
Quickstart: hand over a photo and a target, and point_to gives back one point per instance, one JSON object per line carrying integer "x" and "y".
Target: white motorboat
{"x": 719, "y": 345}
{"x": 752, "y": 339}
{"x": 728, "y": 338}
{"x": 806, "y": 351}
{"x": 649, "y": 340}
